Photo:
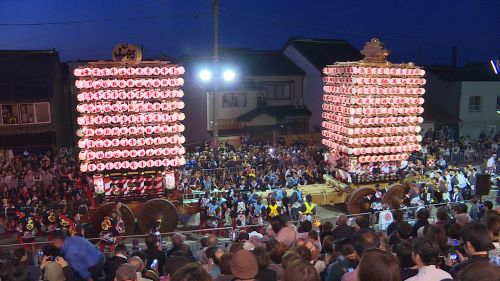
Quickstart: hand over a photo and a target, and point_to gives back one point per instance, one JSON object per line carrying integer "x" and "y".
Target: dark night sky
{"x": 421, "y": 31}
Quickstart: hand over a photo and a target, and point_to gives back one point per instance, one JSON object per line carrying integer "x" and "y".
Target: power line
{"x": 84, "y": 21}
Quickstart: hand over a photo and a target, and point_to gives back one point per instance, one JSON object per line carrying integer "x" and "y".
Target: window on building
{"x": 475, "y": 103}
{"x": 278, "y": 91}
{"x": 296, "y": 126}
{"x": 10, "y": 114}
{"x": 25, "y": 113}
{"x": 234, "y": 99}
{"x": 42, "y": 112}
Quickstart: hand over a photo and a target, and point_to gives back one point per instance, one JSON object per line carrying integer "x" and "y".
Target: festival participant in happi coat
{"x": 376, "y": 203}
{"x": 308, "y": 209}
{"x": 27, "y": 226}
{"x": 279, "y": 194}
{"x": 66, "y": 225}
{"x": 214, "y": 213}
{"x": 49, "y": 220}
{"x": 203, "y": 204}
{"x": 241, "y": 211}
{"x": 273, "y": 209}
{"x": 108, "y": 234}
{"x": 258, "y": 212}
{"x": 296, "y": 202}
{"x": 427, "y": 194}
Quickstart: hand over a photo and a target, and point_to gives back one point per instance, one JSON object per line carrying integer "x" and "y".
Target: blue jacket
{"x": 81, "y": 255}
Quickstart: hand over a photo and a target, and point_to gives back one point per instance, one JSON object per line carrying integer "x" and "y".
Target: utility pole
{"x": 215, "y": 94}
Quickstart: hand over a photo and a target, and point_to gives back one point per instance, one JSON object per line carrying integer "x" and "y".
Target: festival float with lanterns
{"x": 130, "y": 135}
{"x": 372, "y": 114}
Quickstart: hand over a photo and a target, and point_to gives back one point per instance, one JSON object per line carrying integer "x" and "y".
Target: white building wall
{"x": 313, "y": 87}
{"x": 473, "y": 122}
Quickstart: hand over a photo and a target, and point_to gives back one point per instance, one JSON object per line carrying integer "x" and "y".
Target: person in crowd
{"x": 154, "y": 252}
{"x": 176, "y": 261}
{"x": 273, "y": 209}
{"x": 191, "y": 272}
{"x": 342, "y": 230}
{"x": 378, "y": 265}
{"x": 404, "y": 252}
{"x": 126, "y": 272}
{"x": 225, "y": 268}
{"x": 263, "y": 261}
{"x": 485, "y": 272}
{"x": 422, "y": 220}
{"x": 244, "y": 266}
{"x": 178, "y": 245}
{"x": 326, "y": 229}
{"x": 397, "y": 216}
{"x": 300, "y": 270}
{"x": 363, "y": 240}
{"x": 476, "y": 238}
{"x": 83, "y": 257}
{"x": 112, "y": 264}
{"x": 308, "y": 209}
{"x": 139, "y": 266}
{"x": 214, "y": 254}
{"x": 346, "y": 261}
{"x": 53, "y": 266}
{"x": 295, "y": 203}
{"x": 258, "y": 212}
{"x": 276, "y": 257}
{"x": 425, "y": 256}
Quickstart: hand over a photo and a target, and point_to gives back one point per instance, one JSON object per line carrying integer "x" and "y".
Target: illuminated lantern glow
{"x": 372, "y": 113}
{"x": 129, "y": 112}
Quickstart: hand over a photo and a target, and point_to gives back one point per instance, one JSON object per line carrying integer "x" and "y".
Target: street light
{"x": 205, "y": 75}
{"x": 229, "y": 75}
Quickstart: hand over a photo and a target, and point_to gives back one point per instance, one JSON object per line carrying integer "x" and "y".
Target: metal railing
{"x": 228, "y": 230}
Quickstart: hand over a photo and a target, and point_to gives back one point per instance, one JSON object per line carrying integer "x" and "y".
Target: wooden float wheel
{"x": 158, "y": 210}
{"x": 395, "y": 196}
{"x": 357, "y": 202}
{"x": 105, "y": 210}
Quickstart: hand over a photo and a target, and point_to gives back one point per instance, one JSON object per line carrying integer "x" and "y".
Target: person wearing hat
{"x": 244, "y": 266}
{"x": 296, "y": 203}
{"x": 126, "y": 272}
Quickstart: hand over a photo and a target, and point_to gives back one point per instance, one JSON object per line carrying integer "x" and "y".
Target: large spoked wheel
{"x": 160, "y": 211}
{"x": 395, "y": 196}
{"x": 105, "y": 210}
{"x": 357, "y": 202}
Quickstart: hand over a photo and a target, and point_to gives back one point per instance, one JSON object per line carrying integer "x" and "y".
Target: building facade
{"x": 264, "y": 101}
{"x": 470, "y": 93}
{"x": 34, "y": 102}
{"x": 312, "y": 55}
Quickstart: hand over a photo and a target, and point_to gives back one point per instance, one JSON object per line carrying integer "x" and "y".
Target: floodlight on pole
{"x": 205, "y": 75}
{"x": 228, "y": 75}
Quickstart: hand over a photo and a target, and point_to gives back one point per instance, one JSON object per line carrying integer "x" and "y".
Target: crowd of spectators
{"x": 445, "y": 142}
{"x": 31, "y": 178}
{"x": 449, "y": 248}
{"x": 227, "y": 164}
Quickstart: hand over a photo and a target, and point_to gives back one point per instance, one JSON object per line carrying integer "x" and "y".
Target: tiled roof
{"x": 250, "y": 62}
{"x": 321, "y": 52}
{"x": 470, "y": 72}
{"x": 27, "y": 74}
